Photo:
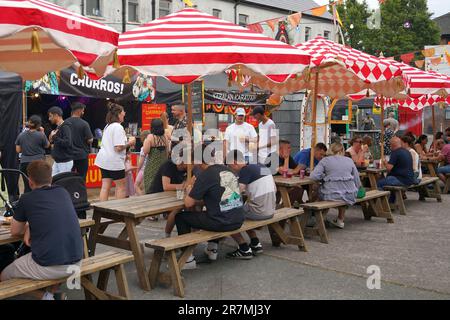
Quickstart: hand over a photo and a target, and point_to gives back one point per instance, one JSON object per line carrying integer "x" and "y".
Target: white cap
{"x": 240, "y": 112}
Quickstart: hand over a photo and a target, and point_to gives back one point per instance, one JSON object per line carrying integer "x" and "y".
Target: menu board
{"x": 197, "y": 99}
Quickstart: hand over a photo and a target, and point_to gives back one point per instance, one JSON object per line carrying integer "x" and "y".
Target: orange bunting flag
{"x": 338, "y": 18}
{"x": 319, "y": 11}
{"x": 436, "y": 61}
{"x": 271, "y": 24}
{"x": 407, "y": 57}
{"x": 256, "y": 27}
{"x": 428, "y": 52}
{"x": 294, "y": 19}
{"x": 419, "y": 63}
{"x": 447, "y": 56}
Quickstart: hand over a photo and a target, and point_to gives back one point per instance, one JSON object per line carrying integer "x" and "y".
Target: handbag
{"x": 361, "y": 193}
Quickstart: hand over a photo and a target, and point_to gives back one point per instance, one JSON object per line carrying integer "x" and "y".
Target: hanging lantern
{"x": 116, "y": 63}
{"x": 35, "y": 43}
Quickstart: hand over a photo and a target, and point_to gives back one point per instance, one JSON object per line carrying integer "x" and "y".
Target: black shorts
{"x": 114, "y": 175}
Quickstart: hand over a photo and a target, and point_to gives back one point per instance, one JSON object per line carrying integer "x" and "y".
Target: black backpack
{"x": 76, "y": 186}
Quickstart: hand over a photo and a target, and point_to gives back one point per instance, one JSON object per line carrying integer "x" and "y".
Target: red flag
{"x": 256, "y": 27}
{"x": 407, "y": 57}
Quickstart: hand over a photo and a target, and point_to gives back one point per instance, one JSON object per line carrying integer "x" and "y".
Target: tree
{"x": 405, "y": 27}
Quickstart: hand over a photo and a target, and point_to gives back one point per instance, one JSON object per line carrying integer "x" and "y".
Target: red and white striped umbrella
{"x": 190, "y": 44}
{"x": 342, "y": 71}
{"x": 416, "y": 104}
{"x": 57, "y": 37}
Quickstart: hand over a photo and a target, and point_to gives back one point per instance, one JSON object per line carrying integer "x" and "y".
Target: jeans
{"x": 61, "y": 167}
{"x": 81, "y": 167}
{"x": 201, "y": 220}
{"x": 390, "y": 181}
{"x": 444, "y": 170}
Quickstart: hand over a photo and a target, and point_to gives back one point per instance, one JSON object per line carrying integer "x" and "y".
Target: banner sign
{"x": 236, "y": 97}
{"x": 149, "y": 112}
{"x": 94, "y": 175}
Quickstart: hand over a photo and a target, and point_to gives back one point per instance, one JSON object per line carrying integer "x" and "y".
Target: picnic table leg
{"x": 432, "y": 169}
{"x": 138, "y": 254}
{"x": 155, "y": 265}
{"x": 121, "y": 281}
{"x": 447, "y": 183}
{"x": 399, "y": 203}
{"x": 320, "y": 224}
{"x": 372, "y": 180}
{"x": 175, "y": 274}
{"x": 437, "y": 191}
{"x": 296, "y": 231}
{"x": 285, "y": 197}
{"x": 97, "y": 217}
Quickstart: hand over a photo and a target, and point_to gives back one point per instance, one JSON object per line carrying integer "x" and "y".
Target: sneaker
{"x": 239, "y": 254}
{"x": 190, "y": 264}
{"x": 337, "y": 223}
{"x": 48, "y": 296}
{"x": 257, "y": 249}
{"x": 211, "y": 253}
{"x": 60, "y": 296}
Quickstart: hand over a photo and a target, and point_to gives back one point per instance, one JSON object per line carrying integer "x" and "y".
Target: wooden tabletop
{"x": 293, "y": 182}
{"x": 423, "y": 161}
{"x": 142, "y": 206}
{"x": 6, "y": 237}
{"x": 375, "y": 170}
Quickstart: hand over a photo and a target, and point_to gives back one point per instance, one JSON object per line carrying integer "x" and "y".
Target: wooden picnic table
{"x": 130, "y": 211}
{"x": 431, "y": 165}
{"x": 284, "y": 184}
{"x": 373, "y": 174}
{"x": 6, "y": 237}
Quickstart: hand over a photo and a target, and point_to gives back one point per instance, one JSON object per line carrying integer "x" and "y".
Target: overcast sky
{"x": 438, "y": 7}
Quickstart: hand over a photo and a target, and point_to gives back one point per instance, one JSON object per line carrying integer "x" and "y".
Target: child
{"x": 129, "y": 175}
{"x": 138, "y": 185}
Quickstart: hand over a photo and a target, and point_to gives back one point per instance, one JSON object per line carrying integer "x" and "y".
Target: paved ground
{"x": 413, "y": 256}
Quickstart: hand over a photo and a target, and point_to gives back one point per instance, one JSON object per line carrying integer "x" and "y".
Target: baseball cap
{"x": 240, "y": 112}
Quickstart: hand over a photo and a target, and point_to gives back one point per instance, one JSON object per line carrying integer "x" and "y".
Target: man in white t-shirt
{"x": 239, "y": 135}
{"x": 267, "y": 143}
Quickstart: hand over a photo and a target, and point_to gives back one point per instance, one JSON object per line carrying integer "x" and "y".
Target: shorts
{"x": 114, "y": 175}
{"x": 26, "y": 268}
{"x": 251, "y": 215}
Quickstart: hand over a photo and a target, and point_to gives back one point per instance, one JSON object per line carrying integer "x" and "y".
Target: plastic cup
{"x": 302, "y": 174}
{"x": 180, "y": 194}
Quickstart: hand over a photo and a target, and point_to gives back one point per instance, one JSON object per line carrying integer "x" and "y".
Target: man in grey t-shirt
{"x": 258, "y": 183}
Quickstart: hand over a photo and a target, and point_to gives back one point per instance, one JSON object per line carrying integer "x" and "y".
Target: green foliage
{"x": 393, "y": 38}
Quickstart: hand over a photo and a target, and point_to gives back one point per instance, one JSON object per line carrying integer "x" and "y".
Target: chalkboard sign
{"x": 197, "y": 100}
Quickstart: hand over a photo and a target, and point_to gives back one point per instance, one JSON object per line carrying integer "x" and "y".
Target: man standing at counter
{"x": 82, "y": 139}
{"x": 179, "y": 113}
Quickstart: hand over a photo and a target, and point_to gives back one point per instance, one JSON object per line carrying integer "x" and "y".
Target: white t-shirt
{"x": 107, "y": 158}
{"x": 234, "y": 133}
{"x": 266, "y": 132}
{"x": 416, "y": 163}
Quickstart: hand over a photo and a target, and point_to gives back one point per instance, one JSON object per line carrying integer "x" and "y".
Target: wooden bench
{"x": 188, "y": 242}
{"x": 422, "y": 188}
{"x": 102, "y": 263}
{"x": 374, "y": 204}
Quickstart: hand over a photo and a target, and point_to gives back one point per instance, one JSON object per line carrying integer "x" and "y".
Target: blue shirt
{"x": 402, "y": 161}
{"x": 304, "y": 157}
{"x": 54, "y": 227}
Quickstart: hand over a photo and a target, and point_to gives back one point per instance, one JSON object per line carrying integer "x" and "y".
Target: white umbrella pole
{"x": 189, "y": 128}
{"x": 314, "y": 119}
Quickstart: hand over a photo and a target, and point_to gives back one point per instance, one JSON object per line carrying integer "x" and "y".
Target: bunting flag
{"x": 436, "y": 61}
{"x": 294, "y": 19}
{"x": 189, "y": 3}
{"x": 256, "y": 27}
{"x": 272, "y": 23}
{"x": 447, "y": 56}
{"x": 428, "y": 52}
{"x": 407, "y": 57}
{"x": 419, "y": 63}
{"x": 319, "y": 11}
{"x": 338, "y": 18}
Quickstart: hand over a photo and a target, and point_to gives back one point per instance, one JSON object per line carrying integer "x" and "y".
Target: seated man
{"x": 218, "y": 188}
{"x": 303, "y": 157}
{"x": 444, "y": 156}
{"x": 260, "y": 188}
{"x": 400, "y": 167}
{"x": 46, "y": 218}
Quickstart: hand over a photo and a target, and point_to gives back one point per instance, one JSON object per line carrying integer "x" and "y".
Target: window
{"x": 93, "y": 8}
{"x": 307, "y": 33}
{"x": 133, "y": 10}
{"x": 217, "y": 13}
{"x": 326, "y": 35}
{"x": 165, "y": 7}
{"x": 243, "y": 20}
